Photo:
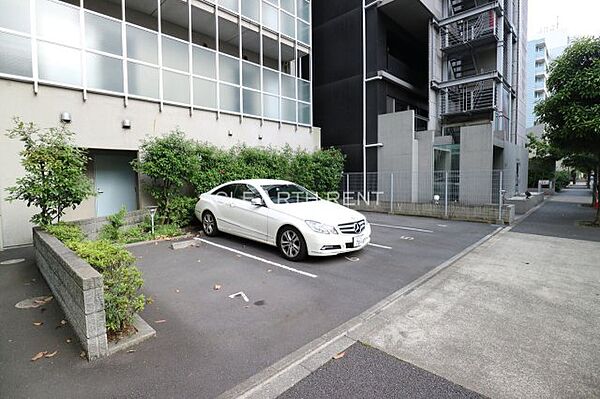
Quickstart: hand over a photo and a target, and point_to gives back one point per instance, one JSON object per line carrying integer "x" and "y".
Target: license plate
{"x": 358, "y": 241}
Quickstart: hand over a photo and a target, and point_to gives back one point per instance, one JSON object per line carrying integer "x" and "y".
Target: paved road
{"x": 209, "y": 342}
{"x": 366, "y": 372}
{"x": 516, "y": 318}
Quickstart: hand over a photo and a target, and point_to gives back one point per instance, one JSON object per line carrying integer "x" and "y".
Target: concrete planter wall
{"x": 78, "y": 288}
{"x": 91, "y": 227}
{"x": 471, "y": 213}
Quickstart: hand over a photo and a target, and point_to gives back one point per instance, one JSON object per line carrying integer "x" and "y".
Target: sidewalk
{"x": 518, "y": 317}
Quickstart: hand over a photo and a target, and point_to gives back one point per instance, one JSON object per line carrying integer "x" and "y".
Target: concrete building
{"x": 417, "y": 87}
{"x": 228, "y": 73}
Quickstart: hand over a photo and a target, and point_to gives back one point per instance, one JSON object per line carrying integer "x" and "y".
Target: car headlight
{"x": 321, "y": 227}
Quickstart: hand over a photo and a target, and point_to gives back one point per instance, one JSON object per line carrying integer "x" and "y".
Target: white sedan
{"x": 283, "y": 214}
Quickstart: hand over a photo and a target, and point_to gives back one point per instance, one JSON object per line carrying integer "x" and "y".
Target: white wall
{"x": 97, "y": 123}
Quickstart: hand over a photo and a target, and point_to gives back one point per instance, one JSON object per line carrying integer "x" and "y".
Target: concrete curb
{"x": 144, "y": 332}
{"x": 137, "y": 244}
{"x": 279, "y": 377}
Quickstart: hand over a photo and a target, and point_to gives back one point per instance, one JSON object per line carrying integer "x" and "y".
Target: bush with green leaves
{"x": 111, "y": 231}
{"x": 122, "y": 280}
{"x": 181, "y": 210}
{"x": 168, "y": 161}
{"x": 66, "y": 232}
{"x": 55, "y": 171}
{"x": 562, "y": 178}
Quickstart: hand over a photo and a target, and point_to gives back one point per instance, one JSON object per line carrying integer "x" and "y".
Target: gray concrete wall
{"x": 476, "y": 163}
{"x": 425, "y": 166}
{"x": 97, "y": 124}
{"x": 77, "y": 287}
{"x": 92, "y": 226}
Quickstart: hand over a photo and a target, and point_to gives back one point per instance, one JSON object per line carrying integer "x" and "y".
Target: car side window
{"x": 226, "y": 191}
{"x": 245, "y": 192}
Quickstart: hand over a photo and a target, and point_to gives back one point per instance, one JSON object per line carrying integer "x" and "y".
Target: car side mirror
{"x": 257, "y": 201}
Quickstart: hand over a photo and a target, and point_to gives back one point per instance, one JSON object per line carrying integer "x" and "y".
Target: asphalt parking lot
{"x": 207, "y": 342}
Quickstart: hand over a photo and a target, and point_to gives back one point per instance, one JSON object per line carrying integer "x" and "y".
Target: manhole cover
{"x": 12, "y": 261}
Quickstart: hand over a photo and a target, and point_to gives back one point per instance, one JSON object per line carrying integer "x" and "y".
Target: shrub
{"x": 562, "y": 179}
{"x": 122, "y": 280}
{"x": 111, "y": 231}
{"x": 181, "y": 210}
{"x": 168, "y": 161}
{"x": 55, "y": 178}
{"x": 134, "y": 234}
{"x": 66, "y": 232}
{"x": 167, "y": 230}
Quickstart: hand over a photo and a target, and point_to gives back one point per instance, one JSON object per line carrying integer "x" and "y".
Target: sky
{"x": 575, "y": 17}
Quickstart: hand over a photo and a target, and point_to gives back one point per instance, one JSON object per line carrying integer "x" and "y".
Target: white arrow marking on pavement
{"x": 401, "y": 228}
{"x": 241, "y": 293}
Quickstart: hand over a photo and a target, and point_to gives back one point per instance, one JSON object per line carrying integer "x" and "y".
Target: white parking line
{"x": 379, "y": 246}
{"x": 401, "y": 227}
{"x": 247, "y": 255}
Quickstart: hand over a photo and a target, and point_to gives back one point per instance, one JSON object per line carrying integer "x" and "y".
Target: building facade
{"x": 427, "y": 86}
{"x": 538, "y": 64}
{"x": 228, "y": 72}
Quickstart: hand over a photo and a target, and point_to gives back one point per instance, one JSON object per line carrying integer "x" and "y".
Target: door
{"x": 116, "y": 182}
{"x": 251, "y": 219}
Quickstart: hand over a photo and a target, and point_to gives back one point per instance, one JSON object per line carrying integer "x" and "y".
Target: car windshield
{"x": 288, "y": 193}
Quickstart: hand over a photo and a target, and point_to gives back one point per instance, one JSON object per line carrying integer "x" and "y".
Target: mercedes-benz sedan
{"x": 283, "y": 214}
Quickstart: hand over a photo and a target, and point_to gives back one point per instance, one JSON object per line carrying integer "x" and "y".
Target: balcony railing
{"x": 458, "y": 6}
{"x": 469, "y": 97}
{"x": 469, "y": 29}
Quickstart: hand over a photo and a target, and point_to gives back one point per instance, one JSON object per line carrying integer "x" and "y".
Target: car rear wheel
{"x": 209, "y": 224}
{"x": 292, "y": 244}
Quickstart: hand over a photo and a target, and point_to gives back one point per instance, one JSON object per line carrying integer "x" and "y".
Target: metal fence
{"x": 443, "y": 188}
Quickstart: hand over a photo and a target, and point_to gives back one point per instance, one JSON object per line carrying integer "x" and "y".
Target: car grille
{"x": 352, "y": 227}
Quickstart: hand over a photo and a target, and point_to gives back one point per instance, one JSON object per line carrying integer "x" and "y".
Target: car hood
{"x": 321, "y": 211}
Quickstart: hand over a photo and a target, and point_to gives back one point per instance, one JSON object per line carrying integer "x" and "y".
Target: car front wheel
{"x": 292, "y": 244}
{"x": 209, "y": 224}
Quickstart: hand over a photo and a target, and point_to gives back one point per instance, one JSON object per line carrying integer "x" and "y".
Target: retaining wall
{"x": 471, "y": 213}
{"x": 78, "y": 288}
{"x": 523, "y": 205}
{"x": 91, "y": 227}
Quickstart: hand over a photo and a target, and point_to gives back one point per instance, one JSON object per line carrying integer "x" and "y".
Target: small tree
{"x": 572, "y": 111}
{"x": 55, "y": 178}
{"x": 169, "y": 161}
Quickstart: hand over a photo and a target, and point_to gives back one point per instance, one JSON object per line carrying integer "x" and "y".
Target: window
{"x": 229, "y": 97}
{"x": 57, "y": 22}
{"x": 104, "y": 73}
{"x": 226, "y": 191}
{"x": 102, "y": 34}
{"x": 205, "y": 93}
{"x": 176, "y": 87}
{"x": 269, "y": 16}
{"x": 251, "y": 9}
{"x": 15, "y": 15}
{"x": 175, "y": 54}
{"x": 142, "y": 45}
{"x": 143, "y": 80}
{"x": 203, "y": 62}
{"x": 59, "y": 64}
{"x": 245, "y": 192}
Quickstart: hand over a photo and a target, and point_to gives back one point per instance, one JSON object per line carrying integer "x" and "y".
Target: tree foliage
{"x": 55, "y": 178}
{"x": 571, "y": 114}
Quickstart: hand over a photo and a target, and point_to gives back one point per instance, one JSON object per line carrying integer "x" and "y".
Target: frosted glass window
{"x": 288, "y": 110}
{"x": 59, "y": 64}
{"x": 204, "y": 62}
{"x": 251, "y": 102}
{"x": 288, "y": 24}
{"x": 175, "y": 54}
{"x": 229, "y": 69}
{"x": 271, "y": 106}
{"x": 15, "y": 15}
{"x": 288, "y": 86}
{"x": 176, "y": 87}
{"x": 303, "y": 34}
{"x": 251, "y": 76}
{"x": 142, "y": 45}
{"x": 288, "y": 5}
{"x": 102, "y": 34}
{"x": 205, "y": 93}
{"x": 57, "y": 22}
{"x": 15, "y": 55}
{"x": 104, "y": 73}
{"x": 231, "y": 4}
{"x": 303, "y": 90}
{"x": 251, "y": 9}
{"x": 229, "y": 97}
{"x": 269, "y": 16}
{"x": 303, "y": 10}
{"x": 304, "y": 113}
{"x": 270, "y": 81}
{"x": 142, "y": 80}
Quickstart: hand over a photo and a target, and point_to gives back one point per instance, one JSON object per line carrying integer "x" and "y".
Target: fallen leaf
{"x": 131, "y": 351}
{"x": 159, "y": 321}
{"x": 339, "y": 355}
{"x": 217, "y": 287}
{"x": 63, "y": 322}
{"x": 82, "y": 355}
{"x": 199, "y": 261}
{"x": 177, "y": 291}
{"x": 49, "y": 355}
{"x": 68, "y": 340}
{"x": 269, "y": 270}
{"x": 38, "y": 356}
{"x": 38, "y": 323}
{"x": 239, "y": 256}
